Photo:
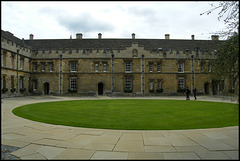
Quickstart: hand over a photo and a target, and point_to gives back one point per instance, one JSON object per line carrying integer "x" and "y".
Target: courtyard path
{"x": 45, "y": 141}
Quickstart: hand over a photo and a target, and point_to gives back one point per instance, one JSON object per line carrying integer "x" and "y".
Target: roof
{"x": 114, "y": 44}
{"x": 148, "y": 44}
{"x": 8, "y": 35}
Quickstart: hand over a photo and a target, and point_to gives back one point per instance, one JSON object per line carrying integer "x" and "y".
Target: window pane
{"x": 73, "y": 83}
{"x": 181, "y": 84}
{"x": 180, "y": 67}
{"x": 150, "y": 67}
{"x": 128, "y": 67}
{"x": 128, "y": 83}
{"x": 73, "y": 67}
{"x": 96, "y": 67}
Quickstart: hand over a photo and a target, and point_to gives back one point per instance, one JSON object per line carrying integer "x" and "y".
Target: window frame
{"x": 73, "y": 66}
{"x": 180, "y": 67}
{"x": 73, "y": 83}
{"x": 128, "y": 67}
{"x": 181, "y": 82}
{"x": 128, "y": 84}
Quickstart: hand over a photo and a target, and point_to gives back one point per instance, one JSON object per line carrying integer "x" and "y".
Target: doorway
{"x": 206, "y": 88}
{"x": 100, "y": 88}
{"x": 46, "y": 88}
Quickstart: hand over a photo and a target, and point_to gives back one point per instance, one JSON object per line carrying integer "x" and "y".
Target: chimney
{"x": 31, "y": 36}
{"x": 167, "y": 36}
{"x": 192, "y": 37}
{"x": 215, "y": 37}
{"x": 99, "y": 36}
{"x": 133, "y": 36}
{"x": 79, "y": 36}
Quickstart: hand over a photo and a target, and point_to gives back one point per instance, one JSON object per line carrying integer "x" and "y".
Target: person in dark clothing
{"x": 195, "y": 93}
{"x": 187, "y": 94}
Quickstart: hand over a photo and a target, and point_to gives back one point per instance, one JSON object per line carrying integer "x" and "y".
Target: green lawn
{"x": 133, "y": 114}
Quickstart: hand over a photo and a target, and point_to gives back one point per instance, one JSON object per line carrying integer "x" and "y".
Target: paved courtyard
{"x": 45, "y": 141}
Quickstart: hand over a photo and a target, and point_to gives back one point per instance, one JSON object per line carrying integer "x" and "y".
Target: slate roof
{"x": 115, "y": 44}
{"x": 8, "y": 35}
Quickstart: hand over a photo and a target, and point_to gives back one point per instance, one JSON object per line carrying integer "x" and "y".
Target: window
{"x": 150, "y": 67}
{"x": 73, "y": 66}
{"x": 12, "y": 61}
{"x": 209, "y": 68}
{"x": 96, "y": 67}
{"x": 34, "y": 85}
{"x": 151, "y": 86}
{"x": 35, "y": 67}
{"x": 128, "y": 67}
{"x": 43, "y": 67}
{"x": 202, "y": 67}
{"x": 73, "y": 83}
{"x": 12, "y": 82}
{"x": 104, "y": 67}
{"x": 21, "y": 63}
{"x": 180, "y": 67}
{"x": 159, "y": 68}
{"x": 21, "y": 82}
{"x": 181, "y": 83}
{"x": 128, "y": 84}
{"x": 51, "y": 67}
{"x": 4, "y": 82}
{"x": 159, "y": 85}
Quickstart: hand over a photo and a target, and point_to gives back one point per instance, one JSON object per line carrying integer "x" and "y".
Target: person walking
{"x": 187, "y": 94}
{"x": 195, "y": 93}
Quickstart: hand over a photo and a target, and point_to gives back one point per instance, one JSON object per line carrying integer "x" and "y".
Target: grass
{"x": 133, "y": 114}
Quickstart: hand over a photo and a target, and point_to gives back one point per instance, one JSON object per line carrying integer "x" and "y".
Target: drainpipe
{"x": 112, "y": 73}
{"x": 192, "y": 74}
{"x": 60, "y": 75}
{"x": 17, "y": 72}
{"x": 143, "y": 74}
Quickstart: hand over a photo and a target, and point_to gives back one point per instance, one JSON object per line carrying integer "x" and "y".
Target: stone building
{"x": 104, "y": 66}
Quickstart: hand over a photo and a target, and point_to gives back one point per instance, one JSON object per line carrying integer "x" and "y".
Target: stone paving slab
{"x": 109, "y": 155}
{"x": 27, "y": 150}
{"x": 181, "y": 156}
{"x": 50, "y": 152}
{"x": 45, "y": 141}
{"x": 144, "y": 156}
{"x": 74, "y": 154}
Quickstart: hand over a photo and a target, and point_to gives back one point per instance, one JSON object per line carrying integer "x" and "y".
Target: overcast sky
{"x": 147, "y": 19}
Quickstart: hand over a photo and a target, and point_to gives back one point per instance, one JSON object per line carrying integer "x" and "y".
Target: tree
{"x": 229, "y": 10}
{"x": 226, "y": 65}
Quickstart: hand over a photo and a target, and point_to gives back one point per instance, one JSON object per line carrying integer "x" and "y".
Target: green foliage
{"x": 226, "y": 65}
{"x": 133, "y": 114}
{"x": 4, "y": 90}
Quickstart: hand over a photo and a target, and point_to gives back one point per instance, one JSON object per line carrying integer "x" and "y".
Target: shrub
{"x": 13, "y": 90}
{"x": 22, "y": 90}
{"x": 181, "y": 90}
{"x": 127, "y": 91}
{"x": 159, "y": 90}
{"x": 151, "y": 91}
{"x": 72, "y": 90}
{"x": 4, "y": 90}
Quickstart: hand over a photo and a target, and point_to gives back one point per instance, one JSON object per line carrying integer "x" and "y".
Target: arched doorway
{"x": 100, "y": 88}
{"x": 46, "y": 88}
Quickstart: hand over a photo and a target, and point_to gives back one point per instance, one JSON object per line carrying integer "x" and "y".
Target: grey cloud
{"x": 83, "y": 22}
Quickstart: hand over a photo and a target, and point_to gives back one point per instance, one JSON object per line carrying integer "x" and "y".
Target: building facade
{"x": 107, "y": 66}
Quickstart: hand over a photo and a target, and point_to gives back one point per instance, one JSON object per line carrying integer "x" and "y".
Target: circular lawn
{"x": 133, "y": 114}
